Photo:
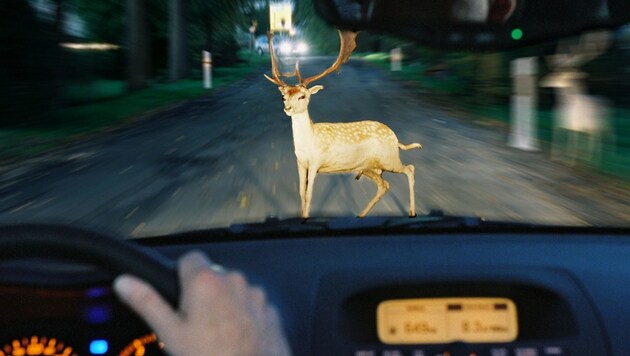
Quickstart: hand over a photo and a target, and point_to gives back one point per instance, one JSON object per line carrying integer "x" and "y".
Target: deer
{"x": 575, "y": 111}
{"x": 365, "y": 148}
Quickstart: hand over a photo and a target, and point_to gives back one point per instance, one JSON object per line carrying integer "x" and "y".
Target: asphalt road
{"x": 228, "y": 157}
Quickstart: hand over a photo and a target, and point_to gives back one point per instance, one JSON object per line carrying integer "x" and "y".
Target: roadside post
{"x": 207, "y": 70}
{"x": 523, "y": 107}
{"x": 395, "y": 56}
{"x": 252, "y": 35}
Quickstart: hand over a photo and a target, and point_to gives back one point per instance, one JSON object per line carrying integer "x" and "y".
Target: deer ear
{"x": 315, "y": 89}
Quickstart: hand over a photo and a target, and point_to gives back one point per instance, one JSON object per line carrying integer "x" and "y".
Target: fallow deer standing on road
{"x": 577, "y": 112}
{"x": 364, "y": 147}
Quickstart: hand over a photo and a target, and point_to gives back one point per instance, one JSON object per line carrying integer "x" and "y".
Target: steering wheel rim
{"x": 75, "y": 244}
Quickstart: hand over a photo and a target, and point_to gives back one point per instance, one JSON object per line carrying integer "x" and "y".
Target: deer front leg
{"x": 310, "y": 182}
{"x": 302, "y": 171}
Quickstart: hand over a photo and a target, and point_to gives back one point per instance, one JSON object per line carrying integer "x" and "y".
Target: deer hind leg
{"x": 382, "y": 186}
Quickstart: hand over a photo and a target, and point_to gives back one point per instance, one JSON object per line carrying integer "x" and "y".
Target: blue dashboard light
{"x": 97, "y": 313}
{"x": 98, "y": 347}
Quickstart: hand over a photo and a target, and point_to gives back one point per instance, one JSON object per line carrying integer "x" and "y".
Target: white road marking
{"x": 81, "y": 167}
{"x": 23, "y": 206}
{"x": 132, "y": 212}
{"x": 10, "y": 196}
{"x": 43, "y": 203}
{"x": 125, "y": 170}
{"x": 42, "y": 175}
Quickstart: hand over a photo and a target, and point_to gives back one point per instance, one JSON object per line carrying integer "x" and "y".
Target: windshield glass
{"x": 151, "y": 117}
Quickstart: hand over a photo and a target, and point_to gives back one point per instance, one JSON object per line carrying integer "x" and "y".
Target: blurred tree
{"x": 29, "y": 88}
{"x": 138, "y": 59}
{"x": 321, "y": 35}
{"x": 213, "y": 25}
{"x": 204, "y": 25}
{"x": 178, "y": 24}
{"x": 104, "y": 20}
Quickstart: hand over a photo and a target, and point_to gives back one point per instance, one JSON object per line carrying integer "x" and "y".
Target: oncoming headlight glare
{"x": 285, "y": 47}
{"x": 302, "y": 47}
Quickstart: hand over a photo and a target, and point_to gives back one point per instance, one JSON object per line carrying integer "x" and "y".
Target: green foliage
{"x": 94, "y": 91}
{"x": 103, "y": 19}
{"x": 100, "y": 105}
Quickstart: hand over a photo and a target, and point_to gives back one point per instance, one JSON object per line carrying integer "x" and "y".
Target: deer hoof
{"x": 411, "y": 216}
{"x": 304, "y": 220}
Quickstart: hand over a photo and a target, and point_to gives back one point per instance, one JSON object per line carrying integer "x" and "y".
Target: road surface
{"x": 228, "y": 158}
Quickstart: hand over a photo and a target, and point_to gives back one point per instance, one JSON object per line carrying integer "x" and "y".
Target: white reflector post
{"x": 523, "y": 110}
{"x": 207, "y": 70}
{"x": 395, "y": 56}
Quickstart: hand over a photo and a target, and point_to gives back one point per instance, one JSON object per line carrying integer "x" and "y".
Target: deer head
{"x": 565, "y": 64}
{"x": 296, "y": 97}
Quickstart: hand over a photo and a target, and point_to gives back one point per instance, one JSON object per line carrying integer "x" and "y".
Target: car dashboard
{"x": 569, "y": 289}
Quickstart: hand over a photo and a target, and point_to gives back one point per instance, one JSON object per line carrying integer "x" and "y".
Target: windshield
{"x": 151, "y": 117}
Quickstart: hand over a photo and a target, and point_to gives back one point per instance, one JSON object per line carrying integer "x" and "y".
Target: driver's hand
{"x": 220, "y": 314}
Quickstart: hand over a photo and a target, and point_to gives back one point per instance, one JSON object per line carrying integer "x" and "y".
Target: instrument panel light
{"x": 99, "y": 347}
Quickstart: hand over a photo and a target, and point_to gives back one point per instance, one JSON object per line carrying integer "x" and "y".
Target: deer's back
{"x": 354, "y": 132}
{"x": 356, "y": 146}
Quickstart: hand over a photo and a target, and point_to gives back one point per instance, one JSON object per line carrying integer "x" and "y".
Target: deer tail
{"x": 409, "y": 146}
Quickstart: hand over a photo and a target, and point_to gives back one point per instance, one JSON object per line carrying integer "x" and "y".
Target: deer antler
{"x": 347, "y": 45}
{"x": 274, "y": 64}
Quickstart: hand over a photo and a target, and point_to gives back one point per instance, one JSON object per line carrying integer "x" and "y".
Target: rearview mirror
{"x": 475, "y": 24}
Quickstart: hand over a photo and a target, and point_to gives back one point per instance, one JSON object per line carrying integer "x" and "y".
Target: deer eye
{"x": 302, "y": 97}
{"x": 284, "y": 99}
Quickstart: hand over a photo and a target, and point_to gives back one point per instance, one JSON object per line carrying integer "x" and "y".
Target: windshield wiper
{"x": 436, "y": 222}
{"x": 436, "y": 219}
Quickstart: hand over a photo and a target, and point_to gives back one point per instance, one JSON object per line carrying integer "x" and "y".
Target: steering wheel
{"x": 112, "y": 254}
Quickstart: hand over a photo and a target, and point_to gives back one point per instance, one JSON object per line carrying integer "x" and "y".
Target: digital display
{"x": 445, "y": 320}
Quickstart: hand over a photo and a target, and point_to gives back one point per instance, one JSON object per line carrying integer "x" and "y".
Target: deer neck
{"x": 303, "y": 136}
{"x": 573, "y": 92}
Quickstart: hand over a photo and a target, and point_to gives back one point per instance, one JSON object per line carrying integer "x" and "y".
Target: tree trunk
{"x": 138, "y": 60}
{"x": 178, "y": 23}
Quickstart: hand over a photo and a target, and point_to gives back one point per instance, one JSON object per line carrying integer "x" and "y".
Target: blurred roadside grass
{"x": 96, "y": 106}
{"x": 441, "y": 92}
